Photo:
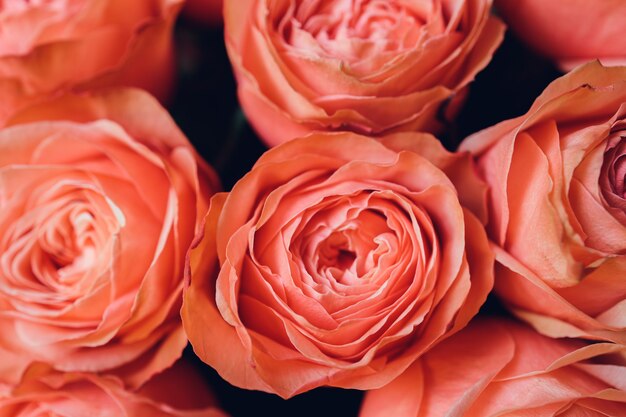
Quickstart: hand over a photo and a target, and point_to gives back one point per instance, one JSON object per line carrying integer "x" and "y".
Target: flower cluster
{"x": 359, "y": 251}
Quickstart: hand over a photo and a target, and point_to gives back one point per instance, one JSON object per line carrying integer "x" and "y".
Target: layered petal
{"x": 44, "y": 392}
{"x": 557, "y": 205}
{"x": 40, "y": 41}
{"x": 367, "y": 66}
{"x": 337, "y": 260}
{"x": 101, "y": 196}
{"x": 500, "y": 368}
{"x": 571, "y": 34}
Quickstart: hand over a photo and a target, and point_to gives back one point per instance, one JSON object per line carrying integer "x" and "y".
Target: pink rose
{"x": 570, "y": 32}
{"x": 43, "y": 392}
{"x": 558, "y": 205}
{"x": 50, "y": 46}
{"x": 499, "y": 368}
{"x": 101, "y": 195}
{"x": 372, "y": 67}
{"x": 338, "y": 261}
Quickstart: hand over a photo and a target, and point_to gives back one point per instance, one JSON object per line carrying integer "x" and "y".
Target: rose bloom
{"x": 366, "y": 66}
{"x": 43, "y": 392}
{"x": 500, "y": 368}
{"x": 558, "y": 208}
{"x": 570, "y": 32}
{"x": 100, "y": 196}
{"x": 47, "y": 46}
{"x": 205, "y": 11}
{"x": 340, "y": 262}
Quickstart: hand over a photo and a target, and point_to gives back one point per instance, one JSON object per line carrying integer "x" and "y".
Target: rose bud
{"x": 570, "y": 32}
{"x": 370, "y": 67}
{"x": 101, "y": 196}
{"x": 558, "y": 208}
{"x": 337, "y": 261}
{"x": 56, "y": 45}
{"x": 500, "y": 368}
{"x": 44, "y": 392}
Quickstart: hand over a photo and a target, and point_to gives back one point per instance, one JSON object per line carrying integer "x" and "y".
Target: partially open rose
{"x": 503, "y": 369}
{"x": 570, "y": 32}
{"x": 100, "y": 196}
{"x": 558, "y": 205}
{"x": 340, "y": 261}
{"x": 43, "y": 392}
{"x": 47, "y": 46}
{"x": 370, "y": 66}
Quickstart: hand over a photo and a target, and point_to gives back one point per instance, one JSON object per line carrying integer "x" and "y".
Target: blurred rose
{"x": 99, "y": 196}
{"x": 340, "y": 262}
{"x": 558, "y": 205}
{"x": 51, "y": 45}
{"x": 43, "y": 392}
{"x": 366, "y": 66}
{"x": 503, "y": 369}
{"x": 206, "y": 11}
{"x": 570, "y": 32}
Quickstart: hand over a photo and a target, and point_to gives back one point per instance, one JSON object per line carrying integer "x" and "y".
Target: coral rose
{"x": 558, "y": 207}
{"x": 570, "y": 32}
{"x": 100, "y": 197}
{"x": 206, "y": 11}
{"x": 340, "y": 262}
{"x": 370, "y": 66}
{"x": 503, "y": 369}
{"x": 43, "y": 392}
{"x": 47, "y": 46}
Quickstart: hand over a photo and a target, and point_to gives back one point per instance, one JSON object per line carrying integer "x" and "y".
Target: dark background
{"x": 205, "y": 107}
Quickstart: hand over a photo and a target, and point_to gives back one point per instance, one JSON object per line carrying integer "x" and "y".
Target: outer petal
{"x": 572, "y": 35}
{"x": 79, "y": 394}
{"x": 130, "y": 40}
{"x": 482, "y": 370}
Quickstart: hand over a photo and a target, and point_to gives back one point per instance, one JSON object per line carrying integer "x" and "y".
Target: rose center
{"x": 355, "y": 31}
{"x": 51, "y": 251}
{"x": 71, "y": 251}
{"x": 352, "y": 19}
{"x": 614, "y": 172}
{"x": 347, "y": 249}
{"x": 336, "y": 253}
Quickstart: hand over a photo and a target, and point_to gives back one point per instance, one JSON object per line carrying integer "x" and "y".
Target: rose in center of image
{"x": 337, "y": 260}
